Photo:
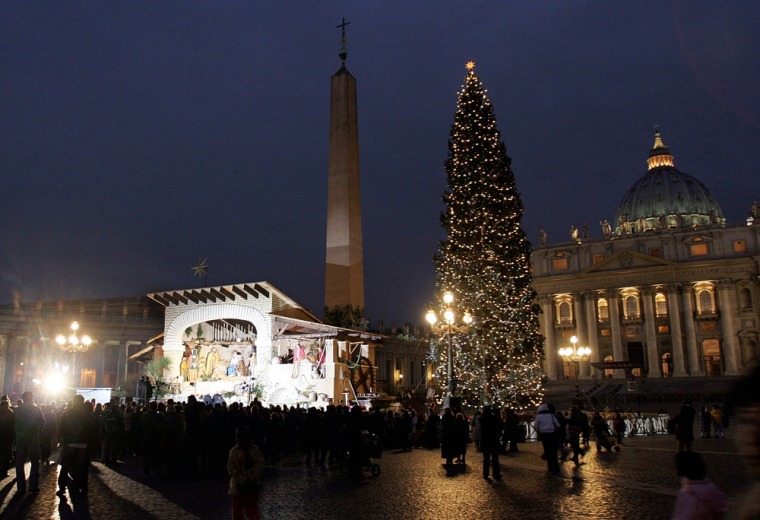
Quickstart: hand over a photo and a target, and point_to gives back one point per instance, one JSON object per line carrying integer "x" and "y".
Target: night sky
{"x": 136, "y": 137}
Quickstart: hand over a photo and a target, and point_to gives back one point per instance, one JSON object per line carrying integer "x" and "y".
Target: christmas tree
{"x": 485, "y": 264}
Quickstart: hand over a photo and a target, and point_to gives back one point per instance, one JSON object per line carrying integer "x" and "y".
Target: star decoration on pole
{"x": 201, "y": 269}
{"x": 470, "y": 65}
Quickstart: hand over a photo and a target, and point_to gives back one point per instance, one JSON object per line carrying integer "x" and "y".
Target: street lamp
{"x": 73, "y": 344}
{"x": 575, "y": 353}
{"x": 449, "y": 328}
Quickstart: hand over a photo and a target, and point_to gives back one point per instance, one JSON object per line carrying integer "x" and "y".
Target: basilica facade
{"x": 670, "y": 290}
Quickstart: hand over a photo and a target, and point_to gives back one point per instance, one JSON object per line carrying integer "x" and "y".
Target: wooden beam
{"x": 171, "y": 298}
{"x": 227, "y": 293}
{"x": 193, "y": 296}
{"x": 181, "y": 297}
{"x": 239, "y": 292}
{"x": 250, "y": 290}
{"x": 262, "y": 290}
{"x": 217, "y": 294}
{"x": 208, "y": 296}
{"x": 160, "y": 299}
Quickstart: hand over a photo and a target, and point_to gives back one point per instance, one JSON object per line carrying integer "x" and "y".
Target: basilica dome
{"x": 665, "y": 198}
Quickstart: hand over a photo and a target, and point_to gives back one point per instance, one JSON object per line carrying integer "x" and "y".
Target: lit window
{"x": 603, "y": 309}
{"x": 560, "y": 264}
{"x": 663, "y": 329}
{"x": 705, "y": 302}
{"x": 598, "y": 258}
{"x": 698, "y": 249}
{"x": 740, "y": 246}
{"x": 565, "y": 314}
{"x": 608, "y": 372}
{"x": 631, "y": 307}
{"x": 661, "y": 305}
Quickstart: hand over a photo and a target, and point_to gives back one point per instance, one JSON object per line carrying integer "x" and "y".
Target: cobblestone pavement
{"x": 637, "y": 482}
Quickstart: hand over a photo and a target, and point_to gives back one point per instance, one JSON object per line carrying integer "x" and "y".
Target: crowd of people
{"x": 208, "y": 438}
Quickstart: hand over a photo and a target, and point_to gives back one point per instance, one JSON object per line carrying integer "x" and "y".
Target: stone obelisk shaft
{"x": 344, "y": 277}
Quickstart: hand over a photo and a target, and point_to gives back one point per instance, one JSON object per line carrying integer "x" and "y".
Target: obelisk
{"x": 344, "y": 277}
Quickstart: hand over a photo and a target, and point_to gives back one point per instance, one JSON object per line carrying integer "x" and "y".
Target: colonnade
{"x": 681, "y": 339}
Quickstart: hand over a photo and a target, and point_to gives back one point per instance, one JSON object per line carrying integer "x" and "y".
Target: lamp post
{"x": 73, "y": 344}
{"x": 449, "y": 329}
{"x": 575, "y": 354}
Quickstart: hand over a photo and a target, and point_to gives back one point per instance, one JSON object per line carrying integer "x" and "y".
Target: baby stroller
{"x": 370, "y": 449}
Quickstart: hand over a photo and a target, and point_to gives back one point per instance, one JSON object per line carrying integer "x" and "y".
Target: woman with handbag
{"x": 245, "y": 465}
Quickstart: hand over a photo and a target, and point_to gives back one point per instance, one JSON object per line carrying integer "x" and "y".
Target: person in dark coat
{"x": 511, "y": 430}
{"x": 73, "y": 438}
{"x": 449, "y": 437}
{"x": 684, "y": 424}
{"x": 463, "y": 437}
{"x": 7, "y": 434}
{"x": 29, "y": 422}
{"x": 491, "y": 427}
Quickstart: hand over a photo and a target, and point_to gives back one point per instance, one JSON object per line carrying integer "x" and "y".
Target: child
{"x": 245, "y": 466}
{"x": 698, "y": 498}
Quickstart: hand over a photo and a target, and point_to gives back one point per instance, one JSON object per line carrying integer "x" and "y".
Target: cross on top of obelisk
{"x": 342, "y": 27}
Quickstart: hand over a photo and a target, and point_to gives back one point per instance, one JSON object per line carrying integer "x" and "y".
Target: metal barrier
{"x": 635, "y": 424}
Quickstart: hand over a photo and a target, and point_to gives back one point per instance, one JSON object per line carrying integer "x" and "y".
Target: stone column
{"x": 580, "y": 332}
{"x": 653, "y": 354}
{"x": 727, "y": 308}
{"x": 674, "y": 313}
{"x": 615, "y": 332}
{"x": 547, "y": 326}
{"x": 593, "y": 340}
{"x": 692, "y": 352}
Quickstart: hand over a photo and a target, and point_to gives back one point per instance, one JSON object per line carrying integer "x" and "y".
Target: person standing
{"x": 706, "y": 422}
{"x": 140, "y": 390}
{"x": 245, "y": 464}
{"x": 29, "y": 422}
{"x": 546, "y": 425}
{"x": 7, "y": 434}
{"x": 716, "y": 415}
{"x": 512, "y": 430}
{"x": 73, "y": 434}
{"x": 463, "y": 437}
{"x": 574, "y": 430}
{"x": 491, "y": 427}
{"x": 449, "y": 437}
{"x": 684, "y": 424}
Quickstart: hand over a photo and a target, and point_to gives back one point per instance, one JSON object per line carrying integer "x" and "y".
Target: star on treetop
{"x": 470, "y": 65}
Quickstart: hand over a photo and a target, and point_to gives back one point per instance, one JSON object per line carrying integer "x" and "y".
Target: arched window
{"x": 631, "y": 307}
{"x": 705, "y": 302}
{"x": 564, "y": 308}
{"x": 745, "y": 299}
{"x": 603, "y": 309}
{"x": 661, "y": 305}
{"x": 704, "y": 292}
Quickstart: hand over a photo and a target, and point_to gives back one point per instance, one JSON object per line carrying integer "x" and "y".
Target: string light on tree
{"x": 484, "y": 262}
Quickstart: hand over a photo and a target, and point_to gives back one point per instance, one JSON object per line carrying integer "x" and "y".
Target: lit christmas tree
{"x": 485, "y": 263}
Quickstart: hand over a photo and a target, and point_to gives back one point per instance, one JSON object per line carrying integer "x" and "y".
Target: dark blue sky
{"x": 138, "y": 136}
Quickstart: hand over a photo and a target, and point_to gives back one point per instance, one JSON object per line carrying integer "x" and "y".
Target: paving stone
{"x": 637, "y": 482}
